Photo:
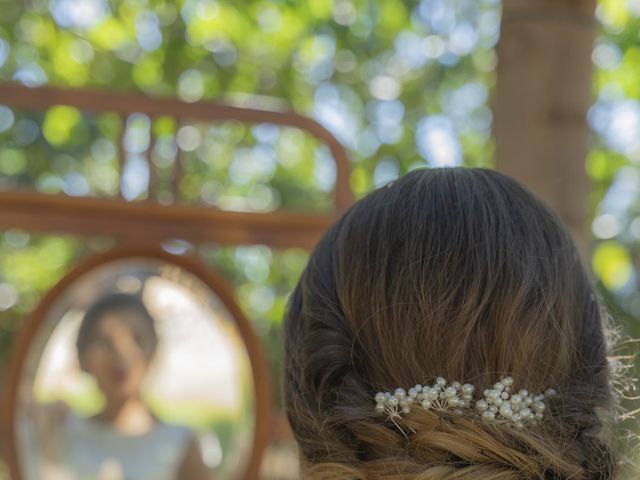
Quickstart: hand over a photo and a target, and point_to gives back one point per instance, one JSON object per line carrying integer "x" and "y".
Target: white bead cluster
{"x": 520, "y": 408}
{"x": 499, "y": 403}
{"x": 440, "y": 396}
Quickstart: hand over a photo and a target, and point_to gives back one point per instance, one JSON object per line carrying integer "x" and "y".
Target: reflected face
{"x": 118, "y": 353}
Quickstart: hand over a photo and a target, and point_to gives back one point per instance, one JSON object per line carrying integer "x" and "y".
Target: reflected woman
{"x": 125, "y": 440}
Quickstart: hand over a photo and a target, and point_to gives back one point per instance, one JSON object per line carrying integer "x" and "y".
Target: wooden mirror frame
{"x": 148, "y": 220}
{"x": 191, "y": 264}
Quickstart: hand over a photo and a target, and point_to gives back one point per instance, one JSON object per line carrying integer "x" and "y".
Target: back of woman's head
{"x": 459, "y": 273}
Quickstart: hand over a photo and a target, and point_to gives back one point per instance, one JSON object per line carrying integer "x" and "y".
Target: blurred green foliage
{"x": 614, "y": 160}
{"x": 402, "y": 84}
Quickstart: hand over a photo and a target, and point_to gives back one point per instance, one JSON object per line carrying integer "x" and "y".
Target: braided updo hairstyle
{"x": 454, "y": 272}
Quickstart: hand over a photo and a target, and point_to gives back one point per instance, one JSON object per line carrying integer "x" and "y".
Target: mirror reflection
{"x": 138, "y": 373}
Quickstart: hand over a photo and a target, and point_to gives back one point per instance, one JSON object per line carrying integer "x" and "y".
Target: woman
{"x": 445, "y": 328}
{"x": 116, "y": 343}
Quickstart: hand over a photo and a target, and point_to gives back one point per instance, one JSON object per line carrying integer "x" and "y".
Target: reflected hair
{"x": 114, "y": 303}
{"x": 454, "y": 272}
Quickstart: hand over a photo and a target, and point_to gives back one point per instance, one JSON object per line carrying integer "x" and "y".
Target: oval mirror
{"x": 137, "y": 365}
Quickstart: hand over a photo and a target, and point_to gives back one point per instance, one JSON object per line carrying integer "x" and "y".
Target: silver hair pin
{"x": 498, "y": 403}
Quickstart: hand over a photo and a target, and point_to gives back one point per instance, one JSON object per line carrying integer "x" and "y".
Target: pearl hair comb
{"x": 498, "y": 403}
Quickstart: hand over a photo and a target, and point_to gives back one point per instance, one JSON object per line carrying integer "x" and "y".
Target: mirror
{"x": 137, "y": 370}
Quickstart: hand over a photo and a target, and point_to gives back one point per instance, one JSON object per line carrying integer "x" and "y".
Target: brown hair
{"x": 113, "y": 303}
{"x": 455, "y": 272}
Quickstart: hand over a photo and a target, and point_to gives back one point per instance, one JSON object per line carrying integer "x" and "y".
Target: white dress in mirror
{"x": 157, "y": 454}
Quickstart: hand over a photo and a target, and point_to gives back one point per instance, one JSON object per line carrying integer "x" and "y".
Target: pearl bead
{"x": 393, "y": 401}
{"x": 380, "y": 408}
{"x": 456, "y": 385}
{"x": 504, "y": 395}
{"x": 441, "y": 382}
{"x": 426, "y": 404}
{"x": 550, "y": 392}
{"x": 450, "y": 392}
{"x": 406, "y": 409}
{"x": 418, "y": 388}
{"x": 400, "y": 393}
{"x": 380, "y": 398}
{"x": 467, "y": 388}
{"x": 489, "y": 414}
{"x": 515, "y": 399}
{"x": 412, "y": 392}
{"x": 499, "y": 386}
{"x": 507, "y": 381}
{"x": 481, "y": 405}
{"x": 505, "y": 411}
